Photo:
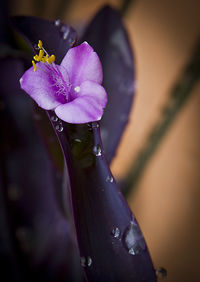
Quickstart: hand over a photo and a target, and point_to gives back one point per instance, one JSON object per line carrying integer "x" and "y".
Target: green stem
{"x": 178, "y": 97}
{"x": 125, "y": 6}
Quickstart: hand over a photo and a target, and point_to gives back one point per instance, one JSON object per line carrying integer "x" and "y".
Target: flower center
{"x": 61, "y": 87}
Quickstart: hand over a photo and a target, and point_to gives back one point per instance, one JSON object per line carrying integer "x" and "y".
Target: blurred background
{"x": 165, "y": 195}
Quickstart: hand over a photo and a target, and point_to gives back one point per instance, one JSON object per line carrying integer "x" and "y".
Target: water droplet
{"x": 92, "y": 125}
{"x": 59, "y": 127}
{"x": 109, "y": 178}
{"x": 86, "y": 261}
{"x": 115, "y": 232}
{"x": 54, "y": 118}
{"x": 65, "y": 30}
{"x": 133, "y": 239}
{"x": 97, "y": 150}
{"x": 161, "y": 272}
{"x": 89, "y": 125}
{"x": 57, "y": 22}
{"x": 65, "y": 34}
{"x": 77, "y": 140}
{"x": 89, "y": 261}
{"x": 132, "y": 251}
{"x": 95, "y": 125}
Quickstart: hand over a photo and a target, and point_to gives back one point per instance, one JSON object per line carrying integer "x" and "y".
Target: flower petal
{"x": 82, "y": 63}
{"x": 41, "y": 86}
{"x": 87, "y": 107}
{"x": 90, "y": 88}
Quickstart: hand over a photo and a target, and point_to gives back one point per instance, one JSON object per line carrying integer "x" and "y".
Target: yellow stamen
{"x": 36, "y": 58}
{"x": 44, "y": 59}
{"x": 34, "y": 65}
{"x": 41, "y": 54}
{"x": 40, "y": 44}
{"x": 51, "y": 59}
{"x": 41, "y": 58}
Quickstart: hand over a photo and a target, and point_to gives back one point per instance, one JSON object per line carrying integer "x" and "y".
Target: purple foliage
{"x": 111, "y": 245}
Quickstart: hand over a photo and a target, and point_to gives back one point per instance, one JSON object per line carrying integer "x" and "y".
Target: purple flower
{"x": 72, "y": 89}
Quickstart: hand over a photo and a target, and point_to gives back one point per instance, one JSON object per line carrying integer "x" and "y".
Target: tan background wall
{"x": 167, "y": 198}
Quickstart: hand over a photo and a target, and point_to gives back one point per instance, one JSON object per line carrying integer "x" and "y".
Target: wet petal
{"x": 94, "y": 90}
{"x": 46, "y": 86}
{"x": 82, "y": 64}
{"x": 85, "y": 108}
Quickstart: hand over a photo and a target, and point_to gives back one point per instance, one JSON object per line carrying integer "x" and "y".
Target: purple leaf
{"x": 41, "y": 234}
{"x": 108, "y": 37}
{"x": 57, "y": 37}
{"x": 112, "y": 247}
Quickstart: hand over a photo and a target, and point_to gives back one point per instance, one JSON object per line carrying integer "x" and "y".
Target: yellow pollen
{"x": 51, "y": 59}
{"x": 36, "y": 58}
{"x": 42, "y": 56}
{"x": 34, "y": 65}
{"x": 44, "y": 59}
{"x": 40, "y": 44}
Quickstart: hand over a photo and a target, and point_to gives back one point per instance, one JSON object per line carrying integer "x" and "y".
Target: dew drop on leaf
{"x": 86, "y": 261}
{"x": 65, "y": 32}
{"x": 133, "y": 239}
{"x": 77, "y": 140}
{"x": 54, "y": 118}
{"x": 59, "y": 127}
{"x": 89, "y": 261}
{"x": 57, "y": 22}
{"x": 97, "y": 150}
{"x": 115, "y": 232}
{"x": 109, "y": 178}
